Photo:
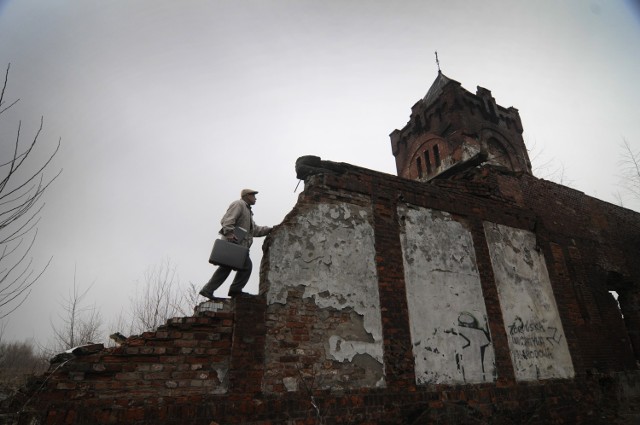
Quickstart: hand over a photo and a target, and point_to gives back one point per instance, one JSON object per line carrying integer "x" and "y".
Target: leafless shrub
{"x": 159, "y": 298}
{"x": 80, "y": 323}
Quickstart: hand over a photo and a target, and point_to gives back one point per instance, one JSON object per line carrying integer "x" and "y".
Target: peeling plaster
{"x": 344, "y": 350}
{"x": 447, "y": 315}
{"x": 329, "y": 251}
{"x": 469, "y": 151}
{"x": 536, "y": 338}
{"x": 221, "y": 373}
{"x": 290, "y": 383}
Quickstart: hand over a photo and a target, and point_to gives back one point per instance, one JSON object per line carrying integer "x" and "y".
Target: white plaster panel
{"x": 447, "y": 314}
{"x": 537, "y": 342}
{"x": 330, "y": 251}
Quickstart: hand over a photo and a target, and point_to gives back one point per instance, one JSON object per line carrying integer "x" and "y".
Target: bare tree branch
{"x": 547, "y": 168}
{"x": 4, "y": 87}
{"x": 22, "y": 185}
{"x": 188, "y": 300}
{"x": 629, "y": 170}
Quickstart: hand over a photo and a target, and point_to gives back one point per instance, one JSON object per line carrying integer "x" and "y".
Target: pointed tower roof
{"x": 436, "y": 88}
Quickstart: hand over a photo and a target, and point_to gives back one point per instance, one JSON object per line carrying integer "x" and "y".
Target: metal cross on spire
{"x": 437, "y": 62}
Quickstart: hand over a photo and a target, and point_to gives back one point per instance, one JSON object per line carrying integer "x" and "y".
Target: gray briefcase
{"x": 225, "y": 253}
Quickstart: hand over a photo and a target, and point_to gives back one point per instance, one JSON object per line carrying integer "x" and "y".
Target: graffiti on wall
{"x": 476, "y": 339}
{"x": 536, "y": 339}
{"x": 450, "y": 335}
{"x": 532, "y": 339}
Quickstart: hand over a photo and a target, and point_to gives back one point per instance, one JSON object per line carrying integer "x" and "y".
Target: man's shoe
{"x": 206, "y": 294}
{"x": 238, "y": 294}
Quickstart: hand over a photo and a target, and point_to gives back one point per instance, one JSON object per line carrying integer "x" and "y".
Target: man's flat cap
{"x": 246, "y": 192}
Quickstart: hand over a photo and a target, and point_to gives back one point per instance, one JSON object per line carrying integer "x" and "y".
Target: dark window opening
{"x": 427, "y": 161}
{"x": 436, "y": 155}
{"x": 419, "y": 163}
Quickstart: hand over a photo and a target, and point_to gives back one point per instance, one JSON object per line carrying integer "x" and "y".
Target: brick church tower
{"x": 451, "y": 129}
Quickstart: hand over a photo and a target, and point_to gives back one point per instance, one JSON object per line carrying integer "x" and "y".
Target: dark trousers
{"x": 222, "y": 273}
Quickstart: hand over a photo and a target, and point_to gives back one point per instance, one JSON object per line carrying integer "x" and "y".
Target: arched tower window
{"x": 498, "y": 154}
{"x": 436, "y": 155}
{"x": 419, "y": 165}
{"x": 427, "y": 161}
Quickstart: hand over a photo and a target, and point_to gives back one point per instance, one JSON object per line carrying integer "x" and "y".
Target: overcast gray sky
{"x": 166, "y": 109}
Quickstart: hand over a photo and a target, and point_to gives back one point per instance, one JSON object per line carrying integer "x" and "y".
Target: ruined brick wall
{"x": 183, "y": 360}
{"x": 323, "y": 302}
{"x": 593, "y": 246}
{"x": 479, "y": 228}
{"x": 389, "y": 301}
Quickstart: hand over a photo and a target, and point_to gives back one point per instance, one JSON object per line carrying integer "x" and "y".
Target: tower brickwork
{"x": 452, "y": 129}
